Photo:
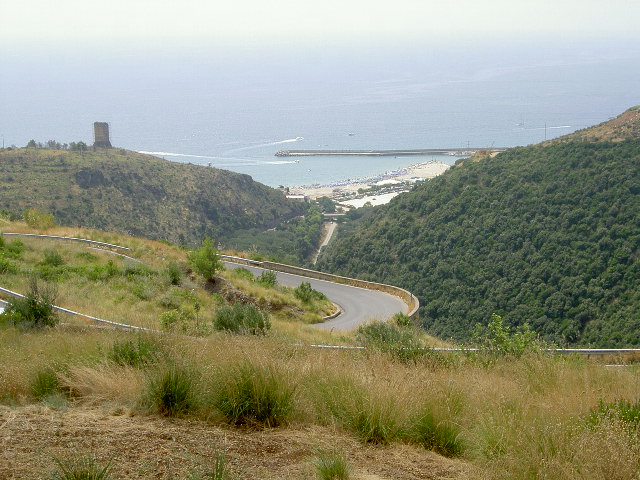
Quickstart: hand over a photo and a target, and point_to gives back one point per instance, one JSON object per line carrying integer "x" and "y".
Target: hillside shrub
{"x": 178, "y": 318}
{"x": 254, "y": 395}
{"x": 52, "y": 258}
{"x": 7, "y": 267}
{"x": 12, "y": 249}
{"x": 243, "y": 319}
{"x": 402, "y": 320}
{"x": 243, "y": 273}
{"x": 400, "y": 341}
{"x": 268, "y": 278}
{"x": 205, "y": 260}
{"x": 101, "y": 272}
{"x": 38, "y": 220}
{"x": 306, "y": 294}
{"x": 497, "y": 339}
{"x": 34, "y": 310}
{"x": 137, "y": 269}
{"x": 173, "y": 273}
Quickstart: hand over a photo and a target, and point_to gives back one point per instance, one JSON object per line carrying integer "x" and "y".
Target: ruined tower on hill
{"x": 101, "y": 135}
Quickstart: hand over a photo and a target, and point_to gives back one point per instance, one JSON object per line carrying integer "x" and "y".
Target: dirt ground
{"x": 153, "y": 447}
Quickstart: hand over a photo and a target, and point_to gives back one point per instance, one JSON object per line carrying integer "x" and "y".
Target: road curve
{"x": 358, "y": 304}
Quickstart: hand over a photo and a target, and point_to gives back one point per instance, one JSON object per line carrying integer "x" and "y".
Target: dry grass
{"x": 104, "y": 384}
{"x": 518, "y": 418}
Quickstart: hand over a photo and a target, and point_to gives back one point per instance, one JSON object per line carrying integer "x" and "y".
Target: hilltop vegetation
{"x": 624, "y": 126}
{"x": 544, "y": 235}
{"x": 126, "y": 192}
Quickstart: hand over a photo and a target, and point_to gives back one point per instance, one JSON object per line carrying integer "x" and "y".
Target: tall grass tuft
{"x": 45, "y": 384}
{"x": 396, "y": 338}
{"x": 331, "y": 465}
{"x": 219, "y": 470}
{"x": 81, "y": 468}
{"x": 254, "y": 395}
{"x": 171, "y": 391}
{"x": 134, "y": 353}
{"x": 440, "y": 436}
{"x": 372, "y": 417}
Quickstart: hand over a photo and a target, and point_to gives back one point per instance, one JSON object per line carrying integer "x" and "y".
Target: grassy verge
{"x": 524, "y": 417}
{"x": 154, "y": 288}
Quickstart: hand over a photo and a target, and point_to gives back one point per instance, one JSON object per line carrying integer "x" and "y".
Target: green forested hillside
{"x": 547, "y": 235}
{"x": 126, "y": 192}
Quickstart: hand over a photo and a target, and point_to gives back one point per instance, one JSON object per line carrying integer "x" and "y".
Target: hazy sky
{"x": 158, "y": 24}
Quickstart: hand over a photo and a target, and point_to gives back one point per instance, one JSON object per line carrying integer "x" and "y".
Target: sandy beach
{"x": 416, "y": 172}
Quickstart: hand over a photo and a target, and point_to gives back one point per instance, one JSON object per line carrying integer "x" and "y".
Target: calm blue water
{"x": 235, "y": 112}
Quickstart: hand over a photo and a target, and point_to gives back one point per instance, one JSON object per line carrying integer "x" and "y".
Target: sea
{"x": 236, "y": 111}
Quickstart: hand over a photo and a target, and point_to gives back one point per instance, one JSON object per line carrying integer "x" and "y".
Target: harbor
{"x": 460, "y": 152}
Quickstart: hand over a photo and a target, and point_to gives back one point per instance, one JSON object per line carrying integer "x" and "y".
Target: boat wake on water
{"x": 224, "y": 162}
{"x": 262, "y": 145}
{"x": 169, "y": 154}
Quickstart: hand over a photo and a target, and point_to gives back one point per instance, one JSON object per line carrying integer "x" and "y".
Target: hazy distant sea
{"x": 235, "y": 113}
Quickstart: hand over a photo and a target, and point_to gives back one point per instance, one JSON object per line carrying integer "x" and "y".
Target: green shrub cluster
{"x": 399, "y": 340}
{"x": 205, "y": 260}
{"x": 174, "y": 274}
{"x": 498, "y": 339}
{"x": 268, "y": 278}
{"x": 10, "y": 251}
{"x": 34, "y": 310}
{"x": 306, "y": 294}
{"x": 177, "y": 319}
{"x": 38, "y": 220}
{"x": 242, "y": 318}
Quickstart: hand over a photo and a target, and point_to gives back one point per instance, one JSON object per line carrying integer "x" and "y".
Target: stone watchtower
{"x": 101, "y": 135}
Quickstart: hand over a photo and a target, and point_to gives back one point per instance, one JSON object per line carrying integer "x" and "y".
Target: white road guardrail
{"x": 82, "y": 315}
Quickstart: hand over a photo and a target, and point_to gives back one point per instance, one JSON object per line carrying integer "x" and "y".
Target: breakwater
{"x": 461, "y": 152}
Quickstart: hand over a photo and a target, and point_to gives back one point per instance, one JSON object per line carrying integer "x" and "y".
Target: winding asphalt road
{"x": 358, "y": 304}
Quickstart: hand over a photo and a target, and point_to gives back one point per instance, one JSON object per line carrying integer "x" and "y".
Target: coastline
{"x": 412, "y": 173}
